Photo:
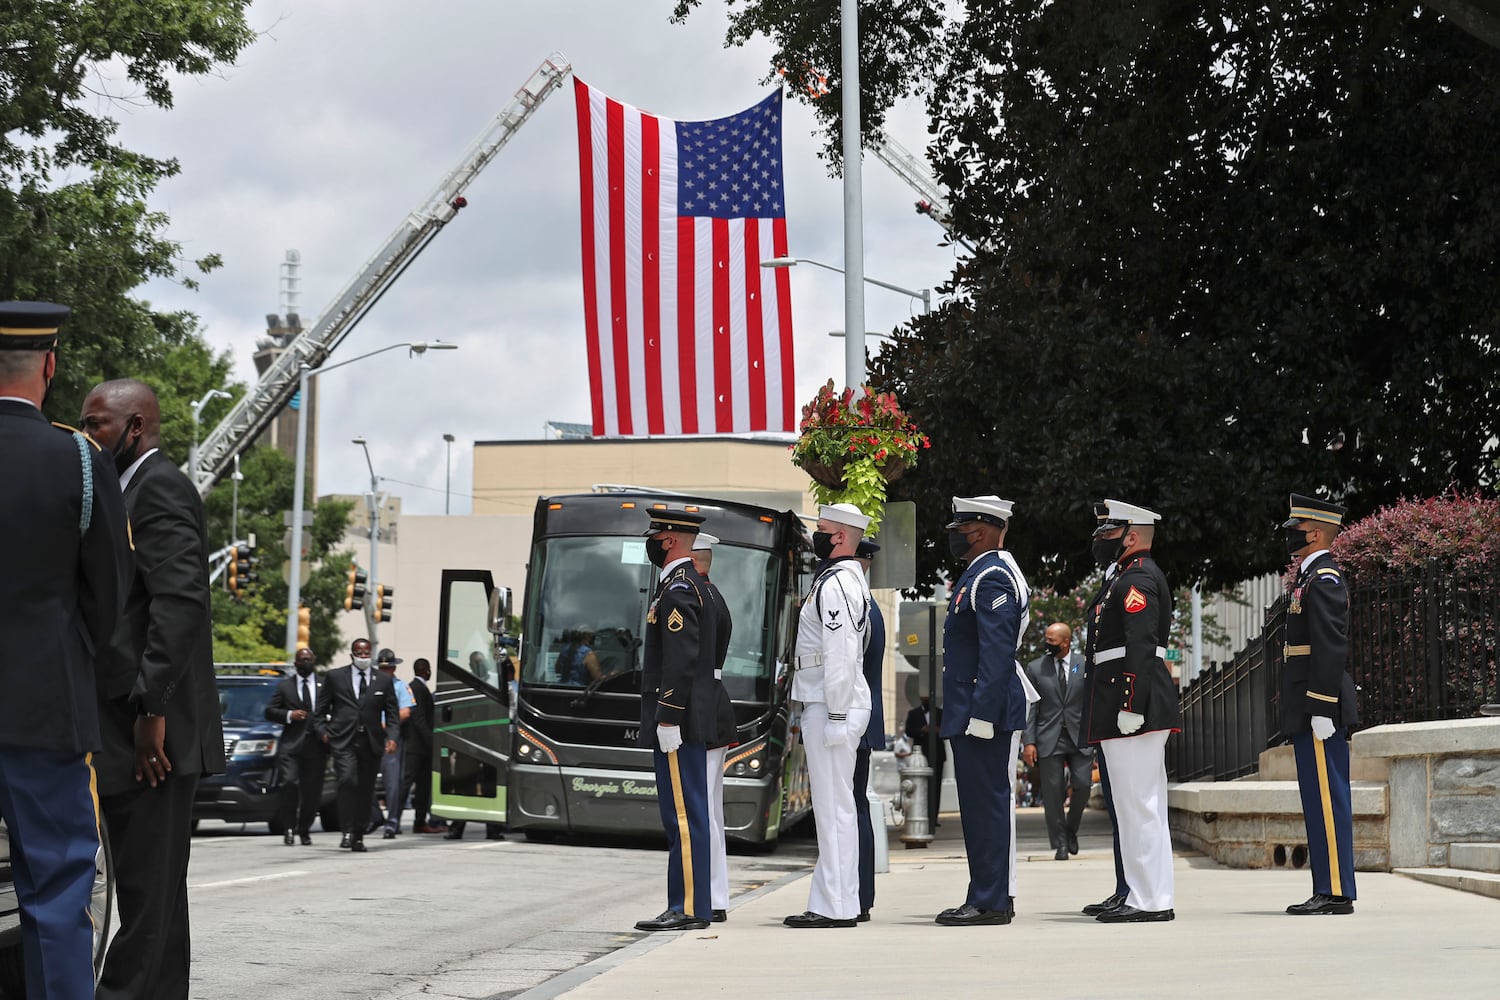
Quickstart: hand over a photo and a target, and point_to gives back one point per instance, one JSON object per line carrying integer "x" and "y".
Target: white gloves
{"x": 835, "y": 734}
{"x": 1322, "y": 727}
{"x": 669, "y": 738}
{"x": 1129, "y": 722}
{"x": 980, "y": 730}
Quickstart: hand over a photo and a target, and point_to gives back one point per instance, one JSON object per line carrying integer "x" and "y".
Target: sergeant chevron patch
{"x": 998, "y": 601}
{"x": 1135, "y": 601}
{"x": 674, "y": 621}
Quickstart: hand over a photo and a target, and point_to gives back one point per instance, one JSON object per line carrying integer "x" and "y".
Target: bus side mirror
{"x": 499, "y": 609}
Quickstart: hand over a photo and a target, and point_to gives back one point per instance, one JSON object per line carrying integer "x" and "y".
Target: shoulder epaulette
{"x": 74, "y": 430}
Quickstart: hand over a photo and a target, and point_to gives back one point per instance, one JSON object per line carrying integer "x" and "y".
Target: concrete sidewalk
{"x": 1231, "y": 938}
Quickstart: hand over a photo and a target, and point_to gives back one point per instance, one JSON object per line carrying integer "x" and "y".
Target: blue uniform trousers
{"x": 1121, "y": 888}
{"x": 866, "y": 827}
{"x": 984, "y": 807}
{"x": 1323, "y": 780}
{"x": 682, "y": 796}
{"x": 52, "y": 815}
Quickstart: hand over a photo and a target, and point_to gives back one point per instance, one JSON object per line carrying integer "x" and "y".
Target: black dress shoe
{"x": 719, "y": 917}
{"x": 453, "y": 834}
{"x": 1319, "y": 904}
{"x": 306, "y": 839}
{"x": 972, "y": 916}
{"x": 345, "y": 842}
{"x": 358, "y": 847}
{"x": 807, "y": 918}
{"x": 1061, "y": 855}
{"x": 864, "y": 916}
{"x": 1072, "y": 842}
{"x": 286, "y": 838}
{"x": 1130, "y": 915}
{"x": 671, "y": 920}
{"x": 1112, "y": 903}
{"x": 388, "y": 835}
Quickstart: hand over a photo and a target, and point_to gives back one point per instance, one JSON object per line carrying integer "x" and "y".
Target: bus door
{"x": 475, "y": 678}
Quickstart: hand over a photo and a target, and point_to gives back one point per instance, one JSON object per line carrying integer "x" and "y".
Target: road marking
{"x": 247, "y": 881}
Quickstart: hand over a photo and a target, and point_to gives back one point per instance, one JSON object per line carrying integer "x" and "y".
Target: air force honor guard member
{"x": 984, "y": 701}
{"x": 725, "y": 730}
{"x": 64, "y": 573}
{"x": 1133, "y": 708}
{"x": 829, "y": 682}
{"x": 1318, "y": 703}
{"x": 679, "y": 715}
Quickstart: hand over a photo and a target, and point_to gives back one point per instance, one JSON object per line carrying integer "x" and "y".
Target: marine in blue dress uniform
{"x": 1318, "y": 703}
{"x": 874, "y": 739}
{"x": 64, "y": 573}
{"x": 984, "y": 703}
{"x": 679, "y": 715}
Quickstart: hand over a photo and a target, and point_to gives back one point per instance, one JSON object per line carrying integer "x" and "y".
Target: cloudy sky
{"x": 347, "y": 113}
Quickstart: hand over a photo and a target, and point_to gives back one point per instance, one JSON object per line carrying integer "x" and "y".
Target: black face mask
{"x": 1052, "y": 648}
{"x": 1107, "y": 550}
{"x": 822, "y": 544}
{"x": 126, "y": 454}
{"x": 959, "y": 544}
{"x": 303, "y": 669}
{"x": 1296, "y": 540}
{"x": 656, "y": 551}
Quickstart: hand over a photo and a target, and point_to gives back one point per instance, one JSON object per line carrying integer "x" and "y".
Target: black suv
{"x": 247, "y": 791}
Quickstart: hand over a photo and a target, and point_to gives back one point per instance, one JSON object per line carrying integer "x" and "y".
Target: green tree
{"x": 1223, "y": 255}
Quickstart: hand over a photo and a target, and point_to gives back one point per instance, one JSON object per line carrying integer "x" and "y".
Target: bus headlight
{"x": 746, "y": 762}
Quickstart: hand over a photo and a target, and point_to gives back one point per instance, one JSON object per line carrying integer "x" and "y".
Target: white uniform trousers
{"x": 835, "y": 878}
{"x": 1138, "y": 777}
{"x": 1015, "y": 759}
{"x": 718, "y": 855}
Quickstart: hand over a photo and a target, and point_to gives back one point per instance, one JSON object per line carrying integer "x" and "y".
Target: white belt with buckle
{"x": 810, "y": 660}
{"x": 1118, "y": 653}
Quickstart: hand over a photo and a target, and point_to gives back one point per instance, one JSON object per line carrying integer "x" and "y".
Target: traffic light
{"x": 383, "y": 599}
{"x": 354, "y": 593}
{"x": 304, "y": 627}
{"x": 242, "y": 568}
{"x": 232, "y": 577}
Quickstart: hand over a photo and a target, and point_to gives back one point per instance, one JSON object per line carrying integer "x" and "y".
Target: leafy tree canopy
{"x": 1224, "y": 254}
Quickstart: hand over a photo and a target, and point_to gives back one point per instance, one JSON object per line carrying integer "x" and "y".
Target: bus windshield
{"x": 586, "y": 613}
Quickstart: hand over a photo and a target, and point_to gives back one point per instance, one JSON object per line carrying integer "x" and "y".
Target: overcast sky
{"x": 346, "y": 113}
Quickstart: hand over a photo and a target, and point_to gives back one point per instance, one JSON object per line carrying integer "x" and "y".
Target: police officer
{"x": 679, "y": 715}
{"x": 1133, "y": 707}
{"x": 984, "y": 701}
{"x": 829, "y": 682}
{"x": 725, "y": 730}
{"x": 872, "y": 740}
{"x": 1318, "y": 703}
{"x": 65, "y": 571}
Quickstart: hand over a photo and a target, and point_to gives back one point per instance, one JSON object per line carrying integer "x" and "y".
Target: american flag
{"x": 687, "y": 334}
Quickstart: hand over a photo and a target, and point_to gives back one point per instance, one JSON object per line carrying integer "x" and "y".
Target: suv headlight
{"x": 255, "y": 748}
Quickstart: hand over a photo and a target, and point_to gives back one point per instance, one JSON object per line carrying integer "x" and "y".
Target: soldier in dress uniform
{"x": 725, "y": 731}
{"x": 1133, "y": 708}
{"x": 984, "y": 701}
{"x": 873, "y": 739}
{"x": 829, "y": 682}
{"x": 65, "y": 572}
{"x": 1318, "y": 703}
{"x": 679, "y": 715}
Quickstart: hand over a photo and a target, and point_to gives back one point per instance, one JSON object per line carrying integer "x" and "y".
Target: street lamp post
{"x": 299, "y": 488}
{"x": 197, "y": 408}
{"x": 858, "y": 343}
{"x": 448, "y": 472}
{"x": 854, "y": 225}
{"x": 372, "y": 504}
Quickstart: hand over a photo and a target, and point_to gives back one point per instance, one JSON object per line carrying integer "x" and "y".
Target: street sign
{"x": 286, "y": 572}
{"x": 1174, "y": 655}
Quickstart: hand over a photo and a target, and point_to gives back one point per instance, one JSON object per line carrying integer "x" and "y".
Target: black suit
{"x": 160, "y": 662}
{"x": 1054, "y": 725}
{"x": 60, "y": 593}
{"x": 416, "y": 766}
{"x": 302, "y": 754}
{"x": 357, "y": 734}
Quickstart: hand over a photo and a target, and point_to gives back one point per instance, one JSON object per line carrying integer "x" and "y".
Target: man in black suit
{"x": 416, "y": 766}
{"x": 300, "y": 704}
{"x": 158, "y": 704}
{"x": 918, "y": 720}
{"x": 357, "y": 695}
{"x": 1054, "y": 737}
{"x": 64, "y": 570}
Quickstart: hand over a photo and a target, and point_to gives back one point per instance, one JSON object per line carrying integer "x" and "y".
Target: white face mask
{"x": 362, "y": 662}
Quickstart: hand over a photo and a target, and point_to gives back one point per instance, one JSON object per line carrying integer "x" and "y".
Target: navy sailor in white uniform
{"x": 829, "y": 681}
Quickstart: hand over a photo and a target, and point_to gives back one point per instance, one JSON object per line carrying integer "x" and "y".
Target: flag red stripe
{"x": 651, "y": 268}
{"x": 723, "y": 356}
{"x": 586, "y": 218}
{"x": 687, "y": 359}
{"x": 614, "y": 116}
{"x": 784, "y": 313}
{"x": 755, "y": 348}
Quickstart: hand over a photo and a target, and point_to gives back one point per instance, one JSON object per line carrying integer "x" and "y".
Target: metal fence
{"x": 1422, "y": 647}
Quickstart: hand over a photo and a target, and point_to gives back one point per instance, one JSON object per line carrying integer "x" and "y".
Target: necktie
{"x": 359, "y": 689}
{"x": 304, "y": 693}
{"x": 1062, "y": 675}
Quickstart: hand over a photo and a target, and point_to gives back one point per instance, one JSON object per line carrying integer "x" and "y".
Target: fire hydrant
{"x": 916, "y": 776}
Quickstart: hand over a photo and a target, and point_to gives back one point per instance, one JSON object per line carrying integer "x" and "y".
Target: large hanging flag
{"x": 687, "y": 333}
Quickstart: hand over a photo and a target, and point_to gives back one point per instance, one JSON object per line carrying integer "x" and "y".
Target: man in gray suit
{"x": 1054, "y": 736}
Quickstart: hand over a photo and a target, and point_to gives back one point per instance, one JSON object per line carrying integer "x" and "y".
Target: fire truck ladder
{"x": 933, "y": 201}
{"x": 253, "y": 413}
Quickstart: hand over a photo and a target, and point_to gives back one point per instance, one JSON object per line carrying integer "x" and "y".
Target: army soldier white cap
{"x": 1113, "y": 514}
{"x": 990, "y": 509}
{"x": 704, "y": 542}
{"x": 843, "y": 513}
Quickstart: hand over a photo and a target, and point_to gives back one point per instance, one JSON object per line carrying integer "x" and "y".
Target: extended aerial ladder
{"x": 253, "y": 413}
{"x": 933, "y": 201}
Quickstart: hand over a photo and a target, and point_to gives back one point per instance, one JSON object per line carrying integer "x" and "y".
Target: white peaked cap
{"x": 1119, "y": 512}
{"x": 843, "y": 513}
{"x": 704, "y": 542}
{"x": 990, "y": 508}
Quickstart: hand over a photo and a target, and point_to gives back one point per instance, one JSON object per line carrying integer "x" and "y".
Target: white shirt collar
{"x": 130, "y": 472}
{"x": 19, "y": 399}
{"x": 1308, "y": 561}
{"x": 669, "y": 567}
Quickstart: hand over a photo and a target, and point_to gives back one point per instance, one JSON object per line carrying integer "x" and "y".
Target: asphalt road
{"x": 420, "y": 916}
